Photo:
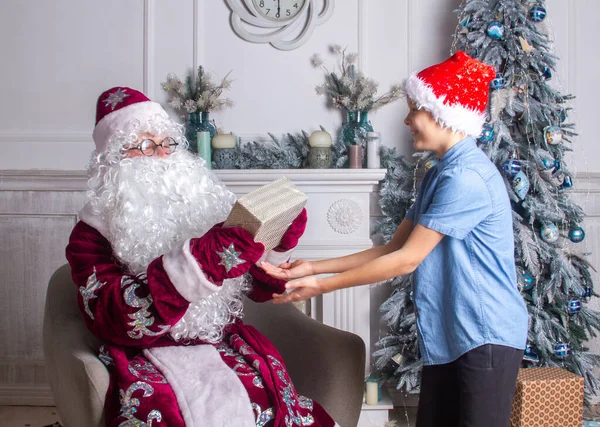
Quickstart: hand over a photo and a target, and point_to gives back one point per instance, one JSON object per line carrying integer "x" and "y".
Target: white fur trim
{"x": 186, "y": 275}
{"x": 118, "y": 119}
{"x": 455, "y": 117}
{"x": 208, "y": 392}
{"x": 278, "y": 258}
{"x": 90, "y": 218}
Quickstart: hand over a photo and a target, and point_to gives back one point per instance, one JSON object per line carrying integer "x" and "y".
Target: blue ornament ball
{"x": 537, "y": 13}
{"x": 498, "y": 82}
{"x": 547, "y": 73}
{"x": 495, "y": 30}
{"x": 549, "y": 233}
{"x": 576, "y": 235}
{"x": 530, "y": 354}
{"x": 586, "y": 294}
{"x": 520, "y": 185}
{"x": 487, "y": 134}
{"x": 562, "y": 114}
{"x": 574, "y": 305}
{"x": 548, "y": 164}
{"x": 562, "y": 350}
{"x": 526, "y": 281}
{"x": 512, "y": 167}
{"x": 567, "y": 183}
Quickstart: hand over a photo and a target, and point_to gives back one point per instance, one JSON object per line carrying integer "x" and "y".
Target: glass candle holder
{"x": 224, "y": 158}
{"x": 320, "y": 157}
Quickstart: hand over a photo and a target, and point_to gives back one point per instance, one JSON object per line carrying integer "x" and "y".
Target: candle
{"x": 372, "y": 391}
{"x": 223, "y": 140}
{"x": 373, "y": 141}
{"x": 319, "y": 138}
{"x": 203, "y": 140}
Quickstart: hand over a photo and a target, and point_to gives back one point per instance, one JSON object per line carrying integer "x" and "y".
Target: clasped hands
{"x": 301, "y": 280}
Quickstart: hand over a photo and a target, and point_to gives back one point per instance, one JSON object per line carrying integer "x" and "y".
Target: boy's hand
{"x": 302, "y": 289}
{"x": 288, "y": 271}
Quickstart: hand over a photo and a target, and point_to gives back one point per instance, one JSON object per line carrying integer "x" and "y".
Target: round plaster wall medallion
{"x": 345, "y": 216}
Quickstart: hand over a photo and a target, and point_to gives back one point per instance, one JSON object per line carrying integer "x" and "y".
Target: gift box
{"x": 268, "y": 211}
{"x": 547, "y": 397}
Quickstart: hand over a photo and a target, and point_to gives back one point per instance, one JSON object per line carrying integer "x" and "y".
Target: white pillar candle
{"x": 224, "y": 140}
{"x": 372, "y": 392}
{"x": 319, "y": 138}
{"x": 373, "y": 143}
{"x": 203, "y": 141}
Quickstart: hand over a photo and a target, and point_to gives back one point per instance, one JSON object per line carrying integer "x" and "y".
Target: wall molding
{"x": 45, "y": 137}
{"x": 26, "y": 395}
{"x": 363, "y": 29}
{"x": 149, "y": 46}
{"x": 198, "y": 34}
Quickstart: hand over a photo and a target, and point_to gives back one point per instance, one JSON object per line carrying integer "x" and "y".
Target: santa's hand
{"x": 301, "y": 289}
{"x": 288, "y": 271}
{"x": 224, "y": 253}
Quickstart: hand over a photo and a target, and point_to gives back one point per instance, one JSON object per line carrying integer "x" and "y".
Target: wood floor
{"x": 41, "y": 416}
{"x": 27, "y": 416}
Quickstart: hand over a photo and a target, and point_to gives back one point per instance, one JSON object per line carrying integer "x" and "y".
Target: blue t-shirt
{"x": 465, "y": 290}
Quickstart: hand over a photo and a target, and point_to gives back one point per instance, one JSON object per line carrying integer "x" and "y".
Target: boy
{"x": 457, "y": 238}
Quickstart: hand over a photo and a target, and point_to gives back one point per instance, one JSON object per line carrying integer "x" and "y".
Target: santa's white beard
{"x": 149, "y": 205}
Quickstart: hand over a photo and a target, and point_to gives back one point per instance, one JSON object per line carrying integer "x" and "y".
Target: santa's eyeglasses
{"x": 148, "y": 146}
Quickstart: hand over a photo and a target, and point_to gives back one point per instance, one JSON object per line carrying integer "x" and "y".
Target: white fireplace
{"x": 341, "y": 205}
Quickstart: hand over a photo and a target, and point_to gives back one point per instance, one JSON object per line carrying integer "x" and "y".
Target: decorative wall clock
{"x": 285, "y": 24}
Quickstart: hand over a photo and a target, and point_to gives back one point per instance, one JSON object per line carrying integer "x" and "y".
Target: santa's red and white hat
{"x": 118, "y": 106}
{"x": 455, "y": 92}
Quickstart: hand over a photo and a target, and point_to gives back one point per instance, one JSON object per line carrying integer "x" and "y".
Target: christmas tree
{"x": 526, "y": 136}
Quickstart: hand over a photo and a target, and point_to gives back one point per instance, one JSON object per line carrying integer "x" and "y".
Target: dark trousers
{"x": 475, "y": 390}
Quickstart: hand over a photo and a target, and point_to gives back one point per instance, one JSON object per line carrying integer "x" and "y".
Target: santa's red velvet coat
{"x": 155, "y": 380}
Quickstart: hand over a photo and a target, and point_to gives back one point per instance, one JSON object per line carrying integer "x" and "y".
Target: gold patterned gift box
{"x": 268, "y": 211}
{"x": 547, "y": 397}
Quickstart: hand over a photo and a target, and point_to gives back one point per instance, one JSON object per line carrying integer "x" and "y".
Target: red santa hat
{"x": 455, "y": 92}
{"x": 116, "y": 107}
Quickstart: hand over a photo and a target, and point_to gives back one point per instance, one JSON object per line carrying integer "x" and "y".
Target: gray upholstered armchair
{"x": 325, "y": 364}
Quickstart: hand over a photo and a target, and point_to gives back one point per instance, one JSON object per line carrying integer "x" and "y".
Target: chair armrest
{"x": 78, "y": 379}
{"x": 325, "y": 363}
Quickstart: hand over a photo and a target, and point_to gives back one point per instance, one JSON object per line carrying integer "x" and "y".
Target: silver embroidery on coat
{"x": 144, "y": 370}
{"x": 242, "y": 368}
{"x": 88, "y": 292}
{"x": 258, "y": 382}
{"x": 141, "y": 318}
{"x": 262, "y": 417}
{"x": 129, "y": 406}
{"x": 290, "y": 397}
{"x": 104, "y": 357}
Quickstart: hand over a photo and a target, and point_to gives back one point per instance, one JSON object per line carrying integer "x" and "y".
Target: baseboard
{"x": 25, "y": 395}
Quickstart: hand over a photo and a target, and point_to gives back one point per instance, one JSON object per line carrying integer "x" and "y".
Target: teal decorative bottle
{"x": 356, "y": 122}
{"x": 198, "y": 122}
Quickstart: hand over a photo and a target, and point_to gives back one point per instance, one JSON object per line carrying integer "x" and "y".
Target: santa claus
{"x": 161, "y": 282}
